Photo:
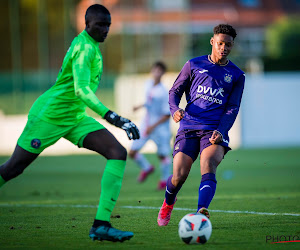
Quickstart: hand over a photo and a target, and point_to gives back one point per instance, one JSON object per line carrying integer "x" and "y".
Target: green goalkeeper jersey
{"x": 66, "y": 101}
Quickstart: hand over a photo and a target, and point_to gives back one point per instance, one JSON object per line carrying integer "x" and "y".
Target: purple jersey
{"x": 213, "y": 94}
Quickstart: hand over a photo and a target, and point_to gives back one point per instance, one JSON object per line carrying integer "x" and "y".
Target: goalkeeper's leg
{"x": 103, "y": 142}
{"x": 16, "y": 164}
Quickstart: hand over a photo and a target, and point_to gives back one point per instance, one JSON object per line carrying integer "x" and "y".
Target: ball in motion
{"x": 194, "y": 229}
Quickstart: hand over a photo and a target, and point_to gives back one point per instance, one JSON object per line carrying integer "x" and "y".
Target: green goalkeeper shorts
{"x": 38, "y": 134}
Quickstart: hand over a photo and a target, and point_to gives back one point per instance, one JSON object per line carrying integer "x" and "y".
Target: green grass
{"x": 248, "y": 180}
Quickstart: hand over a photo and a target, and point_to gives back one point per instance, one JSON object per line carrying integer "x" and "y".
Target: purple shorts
{"x": 193, "y": 142}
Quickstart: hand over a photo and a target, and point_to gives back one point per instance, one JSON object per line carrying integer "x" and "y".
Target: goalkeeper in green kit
{"x": 60, "y": 112}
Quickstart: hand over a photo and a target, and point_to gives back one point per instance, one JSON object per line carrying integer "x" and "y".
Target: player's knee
{"x": 123, "y": 154}
{"x": 210, "y": 163}
{"x": 119, "y": 153}
{"x": 132, "y": 154}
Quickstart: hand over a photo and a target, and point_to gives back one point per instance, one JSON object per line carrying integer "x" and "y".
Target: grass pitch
{"x": 52, "y": 205}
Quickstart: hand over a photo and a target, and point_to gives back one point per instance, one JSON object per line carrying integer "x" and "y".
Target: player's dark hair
{"x": 225, "y": 29}
{"x": 161, "y": 65}
{"x": 94, "y": 10}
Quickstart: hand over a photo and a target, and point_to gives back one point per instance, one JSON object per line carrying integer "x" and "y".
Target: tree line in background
{"x": 282, "y": 45}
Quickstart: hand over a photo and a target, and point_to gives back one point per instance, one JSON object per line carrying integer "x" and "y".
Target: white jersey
{"x": 156, "y": 105}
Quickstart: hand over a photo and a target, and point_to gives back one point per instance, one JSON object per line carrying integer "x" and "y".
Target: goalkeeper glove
{"x": 123, "y": 123}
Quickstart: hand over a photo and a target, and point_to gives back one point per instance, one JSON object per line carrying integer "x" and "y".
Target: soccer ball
{"x": 194, "y": 229}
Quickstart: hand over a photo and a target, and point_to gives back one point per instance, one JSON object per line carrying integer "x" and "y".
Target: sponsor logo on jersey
{"x": 177, "y": 146}
{"x": 211, "y": 91}
{"x": 203, "y": 71}
{"x": 35, "y": 143}
{"x": 210, "y": 94}
{"x": 228, "y": 78}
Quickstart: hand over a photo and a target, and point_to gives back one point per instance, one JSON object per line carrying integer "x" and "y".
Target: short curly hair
{"x": 225, "y": 29}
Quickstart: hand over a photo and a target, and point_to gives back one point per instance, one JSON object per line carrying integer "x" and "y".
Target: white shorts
{"x": 160, "y": 137}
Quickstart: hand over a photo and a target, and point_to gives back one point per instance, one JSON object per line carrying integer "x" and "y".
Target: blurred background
{"x": 37, "y": 33}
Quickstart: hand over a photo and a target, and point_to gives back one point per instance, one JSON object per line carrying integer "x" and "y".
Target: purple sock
{"x": 207, "y": 190}
{"x": 171, "y": 191}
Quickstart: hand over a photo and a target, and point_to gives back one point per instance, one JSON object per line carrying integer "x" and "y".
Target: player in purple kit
{"x": 213, "y": 86}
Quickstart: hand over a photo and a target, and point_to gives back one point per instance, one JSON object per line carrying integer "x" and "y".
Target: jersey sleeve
{"x": 179, "y": 86}
{"x": 81, "y": 67}
{"x": 165, "y": 103}
{"x": 232, "y": 107}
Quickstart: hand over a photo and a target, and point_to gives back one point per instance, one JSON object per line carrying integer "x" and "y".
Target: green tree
{"x": 282, "y": 44}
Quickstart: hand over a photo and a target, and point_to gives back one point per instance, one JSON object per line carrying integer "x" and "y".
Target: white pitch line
{"x": 142, "y": 207}
{"x": 215, "y": 211}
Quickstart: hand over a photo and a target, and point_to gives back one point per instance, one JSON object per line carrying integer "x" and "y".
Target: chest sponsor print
{"x": 210, "y": 94}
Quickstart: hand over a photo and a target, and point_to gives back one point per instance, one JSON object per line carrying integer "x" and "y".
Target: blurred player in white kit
{"x": 155, "y": 126}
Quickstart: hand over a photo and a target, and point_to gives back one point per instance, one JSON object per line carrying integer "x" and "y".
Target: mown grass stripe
{"x": 143, "y": 207}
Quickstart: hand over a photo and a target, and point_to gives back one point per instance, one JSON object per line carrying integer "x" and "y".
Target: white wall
{"x": 271, "y": 110}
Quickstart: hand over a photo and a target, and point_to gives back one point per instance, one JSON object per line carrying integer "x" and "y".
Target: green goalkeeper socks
{"x": 110, "y": 188}
{"x": 2, "y": 181}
